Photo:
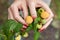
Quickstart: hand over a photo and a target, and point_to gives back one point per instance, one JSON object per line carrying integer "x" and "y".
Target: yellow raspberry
{"x": 43, "y": 21}
{"x": 45, "y": 15}
{"x": 41, "y": 10}
{"x": 29, "y": 19}
{"x": 25, "y": 35}
{"x": 18, "y": 37}
{"x": 39, "y": 26}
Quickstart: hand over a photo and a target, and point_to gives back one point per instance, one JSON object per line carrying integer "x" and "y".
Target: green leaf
{"x": 18, "y": 27}
{"x": 7, "y": 25}
{"x": 36, "y": 35}
{"x": 11, "y": 25}
{"x": 10, "y": 37}
{"x": 3, "y": 36}
{"x": 29, "y": 28}
{"x": 37, "y": 20}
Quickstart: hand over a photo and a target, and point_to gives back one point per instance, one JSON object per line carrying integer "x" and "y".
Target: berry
{"x": 45, "y": 15}
{"x": 25, "y": 35}
{"x": 43, "y": 21}
{"x": 29, "y": 19}
{"x": 39, "y": 26}
{"x": 18, "y": 37}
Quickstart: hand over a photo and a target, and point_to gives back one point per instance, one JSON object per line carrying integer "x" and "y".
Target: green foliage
{"x": 36, "y": 33}
{"x": 29, "y": 28}
{"x": 10, "y": 28}
{"x": 38, "y": 19}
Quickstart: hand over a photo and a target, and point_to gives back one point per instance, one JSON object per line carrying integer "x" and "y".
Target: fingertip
{"x": 34, "y": 17}
{"x": 24, "y": 26}
{"x": 34, "y": 14}
{"x": 41, "y": 29}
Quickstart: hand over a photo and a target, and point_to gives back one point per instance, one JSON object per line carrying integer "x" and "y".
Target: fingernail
{"x": 24, "y": 26}
{"x": 33, "y": 17}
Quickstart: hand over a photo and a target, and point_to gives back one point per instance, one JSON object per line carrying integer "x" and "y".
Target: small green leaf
{"x": 18, "y": 27}
{"x": 37, "y": 20}
{"x": 36, "y": 33}
{"x": 29, "y": 28}
{"x": 3, "y": 36}
{"x": 11, "y": 25}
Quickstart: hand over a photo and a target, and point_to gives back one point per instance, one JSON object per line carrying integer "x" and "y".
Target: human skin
{"x": 32, "y": 4}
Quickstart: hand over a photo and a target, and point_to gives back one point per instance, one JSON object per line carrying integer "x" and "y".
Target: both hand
{"x": 23, "y": 5}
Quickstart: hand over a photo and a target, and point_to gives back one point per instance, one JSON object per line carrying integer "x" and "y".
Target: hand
{"x": 33, "y": 4}
{"x": 13, "y": 12}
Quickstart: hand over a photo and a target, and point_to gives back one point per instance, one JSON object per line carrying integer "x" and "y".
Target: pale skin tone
{"x": 32, "y": 4}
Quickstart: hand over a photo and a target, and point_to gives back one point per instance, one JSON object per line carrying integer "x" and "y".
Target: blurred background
{"x": 51, "y": 33}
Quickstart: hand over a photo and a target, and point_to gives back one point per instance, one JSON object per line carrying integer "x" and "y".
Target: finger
{"x": 25, "y": 10}
{"x": 16, "y": 14}
{"x": 32, "y": 9}
{"x": 24, "y": 27}
{"x": 46, "y": 7}
{"x": 46, "y": 25}
{"x": 10, "y": 16}
{"x": 37, "y": 6}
